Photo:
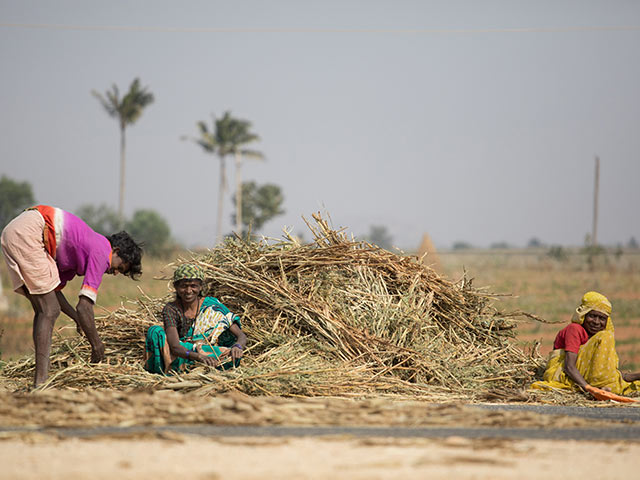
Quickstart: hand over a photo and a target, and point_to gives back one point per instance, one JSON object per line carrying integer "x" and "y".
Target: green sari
{"x": 158, "y": 358}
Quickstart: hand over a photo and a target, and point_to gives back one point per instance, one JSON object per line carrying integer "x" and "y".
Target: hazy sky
{"x": 469, "y": 120}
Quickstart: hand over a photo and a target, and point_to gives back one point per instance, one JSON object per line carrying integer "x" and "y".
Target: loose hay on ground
{"x": 56, "y": 408}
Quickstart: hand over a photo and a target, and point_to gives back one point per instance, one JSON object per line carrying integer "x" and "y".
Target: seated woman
{"x": 196, "y": 329}
{"x": 584, "y": 354}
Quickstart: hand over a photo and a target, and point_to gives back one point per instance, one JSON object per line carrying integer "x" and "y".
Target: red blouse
{"x": 570, "y": 338}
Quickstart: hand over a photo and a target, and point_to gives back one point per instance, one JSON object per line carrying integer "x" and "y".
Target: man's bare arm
{"x": 88, "y": 324}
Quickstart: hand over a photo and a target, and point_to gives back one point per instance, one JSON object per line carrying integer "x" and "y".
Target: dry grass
{"x": 334, "y": 317}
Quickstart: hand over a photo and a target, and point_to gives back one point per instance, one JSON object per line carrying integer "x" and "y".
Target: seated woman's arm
{"x": 630, "y": 377}
{"x": 177, "y": 350}
{"x": 241, "y": 342}
{"x": 571, "y": 369}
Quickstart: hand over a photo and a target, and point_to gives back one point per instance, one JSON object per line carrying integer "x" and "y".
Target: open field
{"x": 551, "y": 289}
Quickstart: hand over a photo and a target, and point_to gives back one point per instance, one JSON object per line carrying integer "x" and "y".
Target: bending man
{"x": 44, "y": 248}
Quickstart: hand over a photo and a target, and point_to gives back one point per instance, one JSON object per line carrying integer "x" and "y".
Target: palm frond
{"x": 207, "y": 146}
{"x": 203, "y": 128}
{"x": 130, "y": 107}
{"x": 252, "y": 154}
{"x": 109, "y": 101}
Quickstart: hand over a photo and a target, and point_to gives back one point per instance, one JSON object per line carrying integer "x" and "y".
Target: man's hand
{"x": 97, "y": 352}
{"x": 88, "y": 324}
{"x": 79, "y": 329}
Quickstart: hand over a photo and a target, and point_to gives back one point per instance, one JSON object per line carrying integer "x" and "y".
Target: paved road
{"x": 618, "y": 432}
{"x": 627, "y": 413}
{"x": 613, "y": 433}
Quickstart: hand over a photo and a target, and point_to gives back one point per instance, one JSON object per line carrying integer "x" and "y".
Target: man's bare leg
{"x": 46, "y": 311}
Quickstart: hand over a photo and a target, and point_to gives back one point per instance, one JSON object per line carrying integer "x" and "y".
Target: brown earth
{"x": 177, "y": 456}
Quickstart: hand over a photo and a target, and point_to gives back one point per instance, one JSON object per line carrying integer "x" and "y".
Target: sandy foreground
{"x": 177, "y": 456}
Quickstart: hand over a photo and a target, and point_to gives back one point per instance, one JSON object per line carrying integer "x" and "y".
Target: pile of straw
{"x": 333, "y": 317}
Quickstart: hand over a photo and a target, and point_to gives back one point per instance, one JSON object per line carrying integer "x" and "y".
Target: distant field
{"x": 532, "y": 281}
{"x": 552, "y": 289}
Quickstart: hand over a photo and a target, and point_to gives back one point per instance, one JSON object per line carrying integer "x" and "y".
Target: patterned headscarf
{"x": 188, "y": 271}
{"x": 594, "y": 301}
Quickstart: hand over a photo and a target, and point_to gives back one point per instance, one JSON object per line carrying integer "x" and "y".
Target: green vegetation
{"x": 103, "y": 219}
{"x": 150, "y": 228}
{"x": 557, "y": 252}
{"x": 14, "y": 197}
{"x": 593, "y": 253}
{"x": 462, "y": 245}
{"x": 259, "y": 205}
{"x": 146, "y": 226}
{"x": 379, "y": 235}
{"x": 534, "y": 242}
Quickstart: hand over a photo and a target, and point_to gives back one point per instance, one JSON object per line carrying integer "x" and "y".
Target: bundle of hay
{"x": 332, "y": 317}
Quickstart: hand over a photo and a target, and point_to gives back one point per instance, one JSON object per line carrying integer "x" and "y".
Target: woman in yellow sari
{"x": 584, "y": 353}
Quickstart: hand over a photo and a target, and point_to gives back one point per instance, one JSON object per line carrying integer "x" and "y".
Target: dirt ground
{"x": 176, "y": 456}
{"x": 45, "y": 454}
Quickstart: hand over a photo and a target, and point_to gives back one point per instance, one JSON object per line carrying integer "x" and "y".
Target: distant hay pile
{"x": 427, "y": 253}
{"x": 333, "y": 317}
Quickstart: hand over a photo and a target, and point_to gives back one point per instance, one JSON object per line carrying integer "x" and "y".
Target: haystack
{"x": 334, "y": 317}
{"x": 428, "y": 254}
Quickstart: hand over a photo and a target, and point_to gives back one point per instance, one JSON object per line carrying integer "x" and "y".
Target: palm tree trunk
{"x": 238, "y": 193}
{"x": 221, "y": 191}
{"x": 122, "y": 176}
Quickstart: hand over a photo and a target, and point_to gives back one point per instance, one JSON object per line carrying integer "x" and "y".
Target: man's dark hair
{"x": 129, "y": 251}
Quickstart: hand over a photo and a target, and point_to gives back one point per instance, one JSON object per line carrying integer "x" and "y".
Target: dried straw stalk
{"x": 333, "y": 317}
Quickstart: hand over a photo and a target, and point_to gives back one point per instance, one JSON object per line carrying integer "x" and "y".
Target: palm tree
{"x": 239, "y": 133}
{"x": 209, "y": 142}
{"x": 225, "y": 138}
{"x": 127, "y": 110}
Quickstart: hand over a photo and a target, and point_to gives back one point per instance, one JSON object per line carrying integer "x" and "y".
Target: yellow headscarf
{"x": 593, "y": 301}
